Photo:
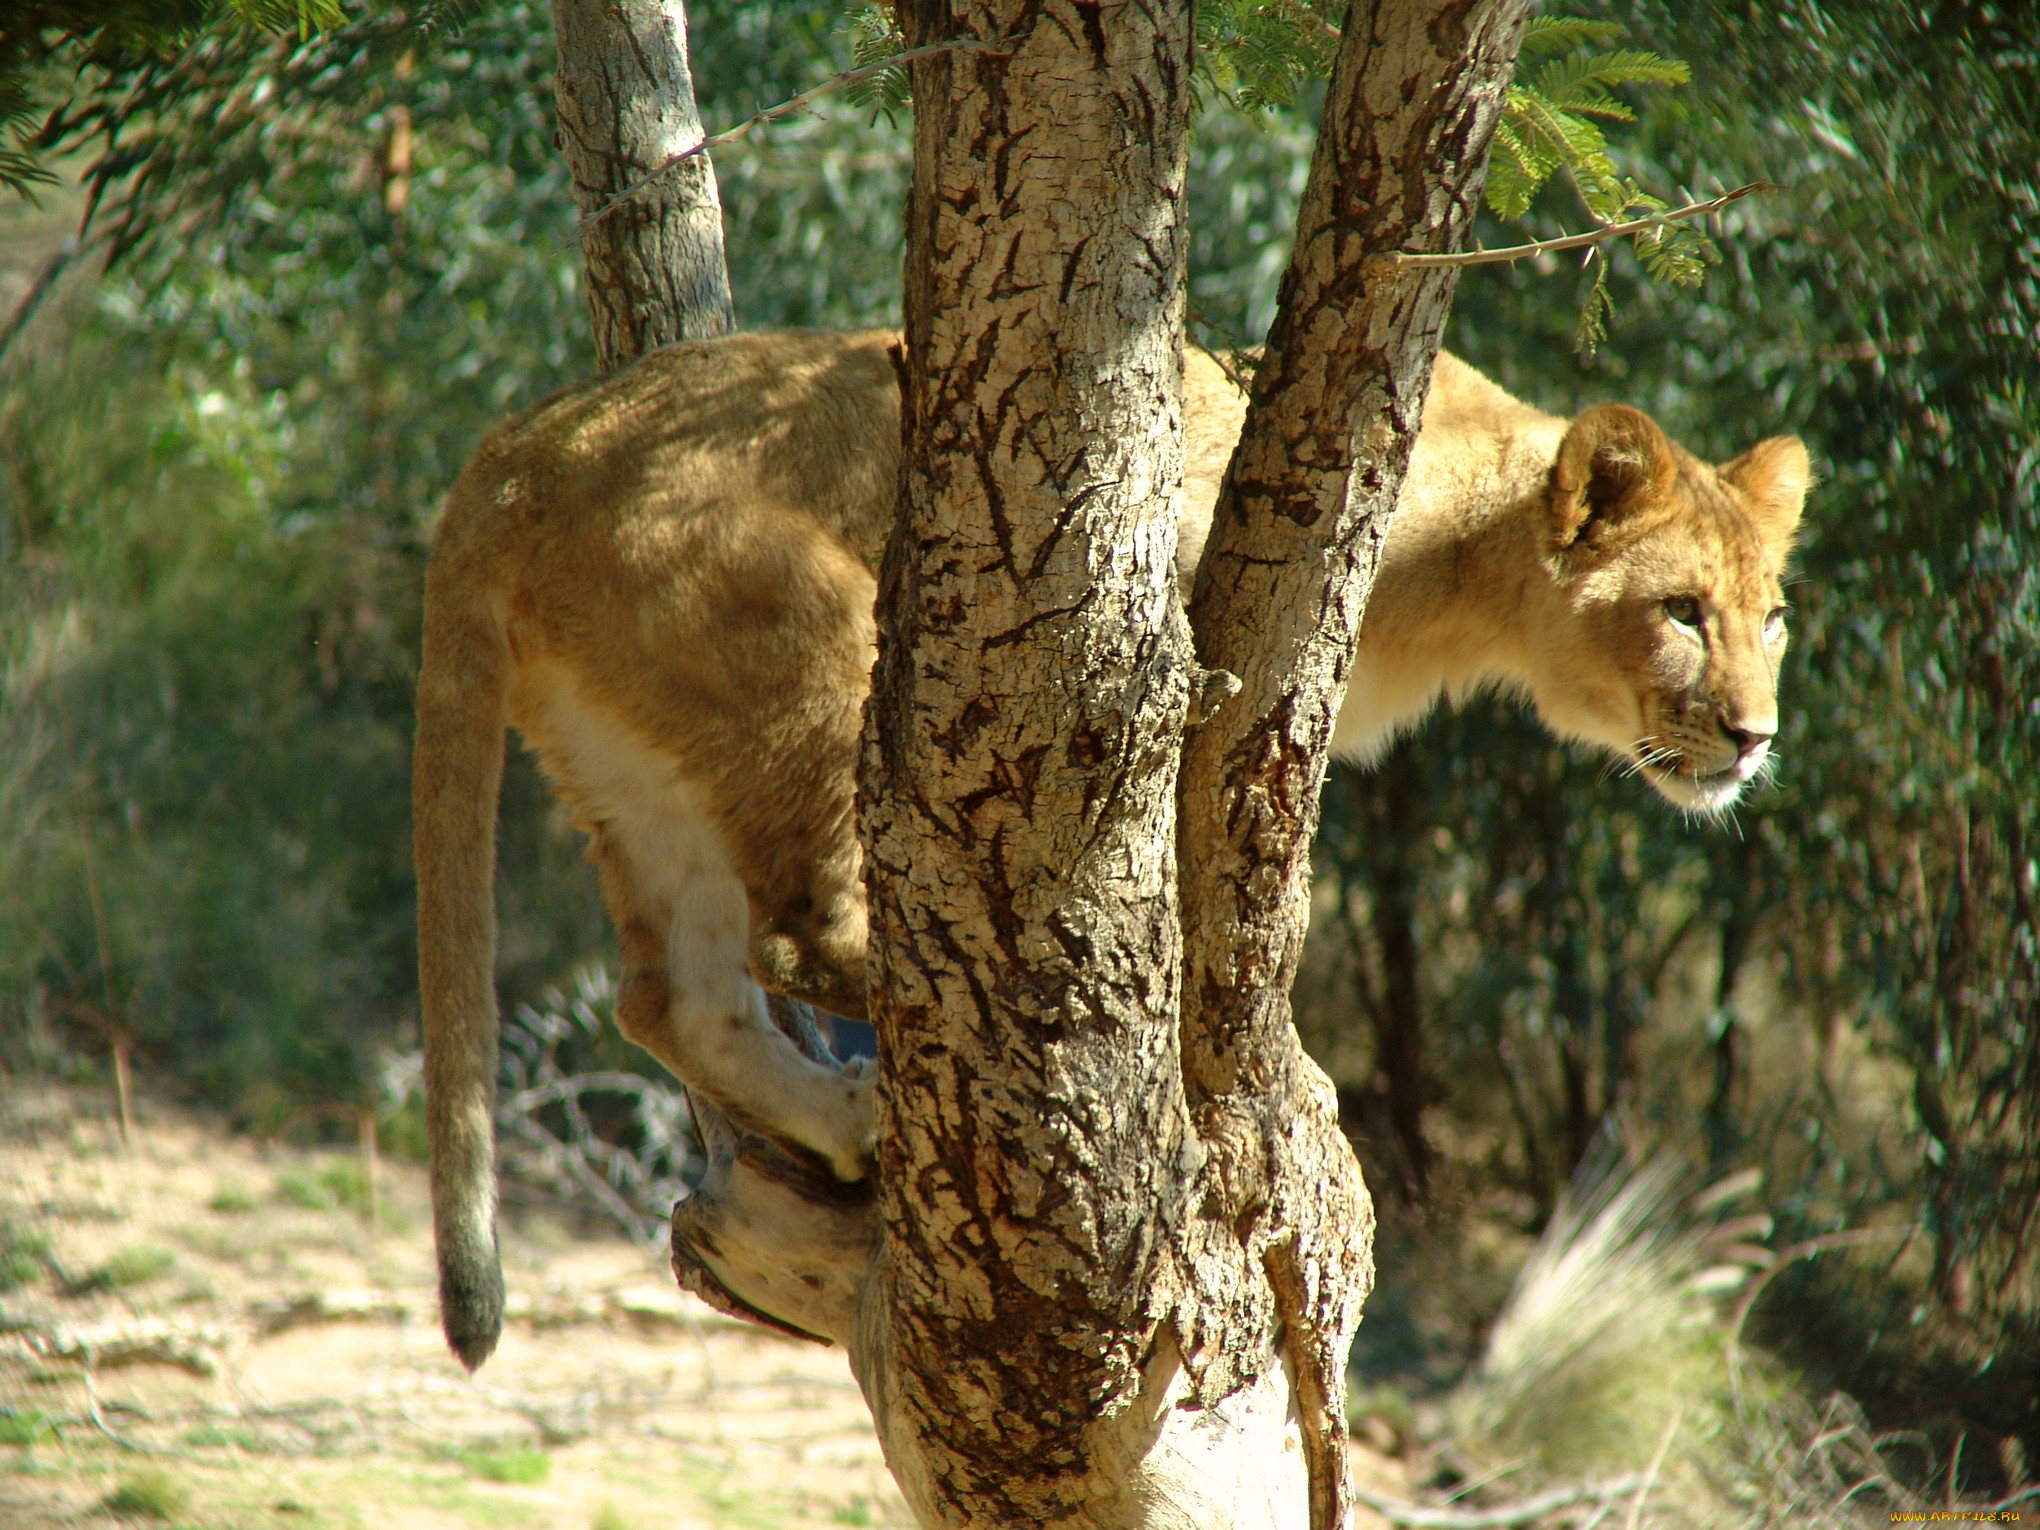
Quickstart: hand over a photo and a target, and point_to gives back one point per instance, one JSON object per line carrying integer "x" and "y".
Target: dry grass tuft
{"x": 1614, "y": 1358}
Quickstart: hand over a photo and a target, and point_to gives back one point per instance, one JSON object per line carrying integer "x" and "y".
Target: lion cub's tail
{"x": 456, "y": 775}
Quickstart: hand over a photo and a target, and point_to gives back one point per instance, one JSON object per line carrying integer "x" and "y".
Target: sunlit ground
{"x": 203, "y": 1331}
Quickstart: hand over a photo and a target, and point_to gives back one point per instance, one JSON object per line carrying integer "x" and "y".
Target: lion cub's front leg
{"x": 686, "y": 999}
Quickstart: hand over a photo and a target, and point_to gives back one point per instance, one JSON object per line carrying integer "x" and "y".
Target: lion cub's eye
{"x": 1774, "y": 624}
{"x": 1684, "y": 610}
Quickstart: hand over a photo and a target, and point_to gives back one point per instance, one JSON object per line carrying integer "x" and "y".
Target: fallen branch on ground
{"x": 1502, "y": 1516}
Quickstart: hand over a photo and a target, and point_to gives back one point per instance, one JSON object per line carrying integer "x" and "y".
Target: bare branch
{"x": 788, "y": 108}
{"x": 1502, "y": 1516}
{"x": 1580, "y": 241}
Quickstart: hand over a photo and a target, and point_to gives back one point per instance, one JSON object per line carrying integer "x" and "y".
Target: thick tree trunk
{"x": 655, "y": 265}
{"x": 1018, "y": 785}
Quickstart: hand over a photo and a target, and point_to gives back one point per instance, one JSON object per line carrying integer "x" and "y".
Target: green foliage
{"x": 874, "y": 38}
{"x": 45, "y": 40}
{"x": 218, "y": 472}
{"x": 1547, "y": 121}
{"x": 1258, "y": 54}
{"x": 1843, "y": 986}
{"x": 214, "y": 494}
{"x": 1547, "y": 126}
{"x": 519, "y": 1468}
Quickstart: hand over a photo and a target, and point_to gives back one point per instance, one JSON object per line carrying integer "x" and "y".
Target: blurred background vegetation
{"x": 325, "y": 259}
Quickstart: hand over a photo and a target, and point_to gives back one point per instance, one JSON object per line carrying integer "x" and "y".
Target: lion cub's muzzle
{"x": 1702, "y": 759}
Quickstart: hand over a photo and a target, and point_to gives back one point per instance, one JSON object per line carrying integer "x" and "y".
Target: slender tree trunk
{"x": 656, "y": 274}
{"x": 1738, "y": 924}
{"x": 1400, "y": 161}
{"x": 655, "y": 265}
{"x": 1392, "y": 813}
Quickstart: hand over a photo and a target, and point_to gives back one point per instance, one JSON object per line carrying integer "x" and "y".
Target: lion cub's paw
{"x": 854, "y": 1145}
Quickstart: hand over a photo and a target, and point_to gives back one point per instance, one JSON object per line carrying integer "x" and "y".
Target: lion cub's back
{"x": 800, "y": 420}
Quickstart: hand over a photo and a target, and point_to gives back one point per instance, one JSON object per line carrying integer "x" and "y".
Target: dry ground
{"x": 188, "y": 1337}
{"x": 198, "y": 1341}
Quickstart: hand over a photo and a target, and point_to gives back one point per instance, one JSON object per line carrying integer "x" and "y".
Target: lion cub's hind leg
{"x": 683, "y": 919}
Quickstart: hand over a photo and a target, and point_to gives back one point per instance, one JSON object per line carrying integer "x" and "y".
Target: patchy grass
{"x": 340, "y": 1184}
{"x": 148, "y": 1493}
{"x": 376, "y": 1428}
{"x": 519, "y": 1468}
{"x": 25, "y": 1426}
{"x": 232, "y": 1198}
{"x": 23, "y": 1255}
{"x": 213, "y": 1437}
{"x": 135, "y": 1265}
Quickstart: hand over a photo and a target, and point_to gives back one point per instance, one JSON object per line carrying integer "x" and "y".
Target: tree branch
{"x": 787, "y": 108}
{"x": 1502, "y": 1516}
{"x": 1401, "y": 260}
{"x": 1334, "y": 409}
{"x": 44, "y": 284}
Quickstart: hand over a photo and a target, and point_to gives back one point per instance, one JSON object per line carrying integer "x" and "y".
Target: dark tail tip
{"x": 471, "y": 1311}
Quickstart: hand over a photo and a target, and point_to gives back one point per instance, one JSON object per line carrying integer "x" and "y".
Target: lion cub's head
{"x": 1668, "y": 570}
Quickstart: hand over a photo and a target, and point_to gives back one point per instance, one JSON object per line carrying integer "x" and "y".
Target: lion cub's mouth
{"x": 1684, "y": 783}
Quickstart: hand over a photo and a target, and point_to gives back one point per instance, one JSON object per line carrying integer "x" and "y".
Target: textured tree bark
{"x": 1400, "y": 162}
{"x": 1017, "y": 801}
{"x": 655, "y": 267}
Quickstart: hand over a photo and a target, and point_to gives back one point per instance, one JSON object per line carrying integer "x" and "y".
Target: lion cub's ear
{"x": 1774, "y": 476}
{"x": 1613, "y": 463}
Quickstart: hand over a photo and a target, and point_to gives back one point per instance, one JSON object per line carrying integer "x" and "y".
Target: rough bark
{"x": 1399, "y": 165}
{"x": 655, "y": 267}
{"x": 1018, "y": 781}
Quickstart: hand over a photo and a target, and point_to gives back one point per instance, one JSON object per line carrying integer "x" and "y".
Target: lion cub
{"x": 664, "y": 582}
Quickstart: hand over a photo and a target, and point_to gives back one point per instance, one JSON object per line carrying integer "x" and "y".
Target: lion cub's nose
{"x": 1751, "y": 745}
{"x": 1749, "y": 740}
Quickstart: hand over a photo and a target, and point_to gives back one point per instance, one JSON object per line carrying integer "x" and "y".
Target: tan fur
{"x": 664, "y": 582}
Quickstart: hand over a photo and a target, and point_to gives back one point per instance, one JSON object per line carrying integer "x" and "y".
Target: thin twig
{"x": 1844, "y": 1239}
{"x": 771, "y": 114}
{"x": 44, "y": 284}
{"x": 1581, "y": 241}
{"x": 1503, "y": 1516}
{"x": 1232, "y": 375}
{"x": 99, "y": 1422}
{"x": 1650, "y": 1472}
